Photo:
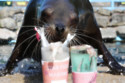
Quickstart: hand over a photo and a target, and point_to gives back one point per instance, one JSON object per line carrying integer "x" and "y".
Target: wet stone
{"x": 108, "y": 32}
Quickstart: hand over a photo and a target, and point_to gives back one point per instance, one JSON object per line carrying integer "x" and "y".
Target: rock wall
{"x": 112, "y": 23}
{"x": 11, "y": 20}
{"x": 107, "y": 18}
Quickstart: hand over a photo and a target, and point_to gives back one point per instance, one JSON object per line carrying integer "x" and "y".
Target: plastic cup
{"x": 86, "y": 77}
{"x": 84, "y": 64}
{"x": 55, "y": 63}
{"x": 56, "y": 71}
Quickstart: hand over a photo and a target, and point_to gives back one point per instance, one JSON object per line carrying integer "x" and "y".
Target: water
{"x": 28, "y": 66}
{"x": 117, "y": 50}
{"x": 5, "y": 52}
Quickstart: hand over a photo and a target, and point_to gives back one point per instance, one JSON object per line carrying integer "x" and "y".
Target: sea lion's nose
{"x": 60, "y": 28}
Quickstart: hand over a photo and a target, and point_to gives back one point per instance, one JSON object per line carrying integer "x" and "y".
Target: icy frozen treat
{"x": 55, "y": 60}
{"x": 84, "y": 64}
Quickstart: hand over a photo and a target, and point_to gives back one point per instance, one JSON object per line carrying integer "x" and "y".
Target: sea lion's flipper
{"x": 26, "y": 42}
{"x": 115, "y": 67}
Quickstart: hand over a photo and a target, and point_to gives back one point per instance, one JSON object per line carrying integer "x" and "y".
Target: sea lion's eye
{"x": 73, "y": 19}
{"x": 49, "y": 11}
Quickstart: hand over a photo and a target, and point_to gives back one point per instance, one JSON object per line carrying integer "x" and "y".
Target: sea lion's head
{"x": 59, "y": 17}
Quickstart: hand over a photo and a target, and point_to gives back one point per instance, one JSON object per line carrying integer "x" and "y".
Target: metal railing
{"x": 112, "y": 4}
{"x": 111, "y": 7}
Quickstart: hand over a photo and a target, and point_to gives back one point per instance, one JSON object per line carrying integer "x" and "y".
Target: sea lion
{"x": 59, "y": 17}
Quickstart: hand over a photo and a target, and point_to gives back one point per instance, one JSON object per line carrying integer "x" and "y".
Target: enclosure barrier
{"x": 110, "y": 4}
{"x": 107, "y": 4}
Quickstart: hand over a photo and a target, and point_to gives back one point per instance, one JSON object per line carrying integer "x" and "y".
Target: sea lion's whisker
{"x": 82, "y": 39}
{"x": 51, "y": 35}
{"x": 77, "y": 42}
{"x": 48, "y": 35}
{"x": 28, "y": 46}
{"x": 74, "y": 42}
{"x": 73, "y": 30}
{"x": 26, "y": 32}
{"x": 28, "y": 26}
{"x": 22, "y": 43}
{"x": 41, "y": 23}
{"x": 70, "y": 43}
{"x": 77, "y": 30}
{"x": 90, "y": 37}
{"x": 34, "y": 50}
{"x": 37, "y": 49}
{"x": 81, "y": 30}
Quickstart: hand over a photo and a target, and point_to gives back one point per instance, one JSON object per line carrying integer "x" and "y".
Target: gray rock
{"x": 118, "y": 18}
{"x": 118, "y": 11}
{"x": 19, "y": 24}
{"x": 102, "y": 20}
{"x": 95, "y": 10}
{"x": 9, "y": 12}
{"x": 108, "y": 33}
{"x": 121, "y": 29}
{"x": 104, "y": 12}
{"x": 8, "y": 23}
{"x": 115, "y": 23}
{"x": 6, "y": 34}
{"x": 5, "y": 52}
{"x": 18, "y": 17}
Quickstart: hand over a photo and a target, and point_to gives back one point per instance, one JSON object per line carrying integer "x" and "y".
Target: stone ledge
{"x": 108, "y": 33}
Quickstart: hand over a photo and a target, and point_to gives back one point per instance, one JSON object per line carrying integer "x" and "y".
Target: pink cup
{"x": 86, "y": 77}
{"x": 55, "y": 72}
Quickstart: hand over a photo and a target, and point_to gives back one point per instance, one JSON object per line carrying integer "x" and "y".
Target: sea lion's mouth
{"x": 53, "y": 36}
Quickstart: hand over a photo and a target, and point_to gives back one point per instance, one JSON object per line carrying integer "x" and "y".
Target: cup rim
{"x": 57, "y": 60}
{"x": 84, "y": 72}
